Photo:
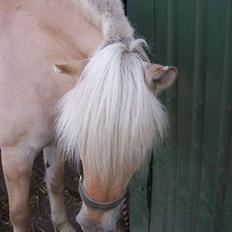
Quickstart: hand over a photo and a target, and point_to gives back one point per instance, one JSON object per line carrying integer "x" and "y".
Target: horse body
{"x": 35, "y": 36}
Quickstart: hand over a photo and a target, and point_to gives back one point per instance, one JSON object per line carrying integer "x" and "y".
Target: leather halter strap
{"x": 103, "y": 206}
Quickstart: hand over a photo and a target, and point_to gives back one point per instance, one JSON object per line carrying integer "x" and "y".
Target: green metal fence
{"x": 187, "y": 187}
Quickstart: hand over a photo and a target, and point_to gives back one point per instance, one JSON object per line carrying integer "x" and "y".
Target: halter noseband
{"x": 103, "y": 206}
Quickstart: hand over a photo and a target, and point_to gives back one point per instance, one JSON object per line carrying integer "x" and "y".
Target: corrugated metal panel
{"x": 190, "y": 181}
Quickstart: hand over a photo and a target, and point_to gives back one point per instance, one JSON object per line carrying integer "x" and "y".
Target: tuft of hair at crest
{"x": 111, "y": 118}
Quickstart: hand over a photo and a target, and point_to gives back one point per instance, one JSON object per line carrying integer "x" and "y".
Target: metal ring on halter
{"x": 104, "y": 206}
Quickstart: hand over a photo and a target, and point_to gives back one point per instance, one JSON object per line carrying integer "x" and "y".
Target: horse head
{"x": 109, "y": 123}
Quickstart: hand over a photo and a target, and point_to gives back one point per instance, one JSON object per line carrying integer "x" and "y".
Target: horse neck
{"x": 109, "y": 17}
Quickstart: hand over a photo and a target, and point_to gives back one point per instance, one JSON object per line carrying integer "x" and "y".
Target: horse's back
{"x": 34, "y": 36}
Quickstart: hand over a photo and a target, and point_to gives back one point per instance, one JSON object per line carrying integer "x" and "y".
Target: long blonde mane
{"x": 111, "y": 117}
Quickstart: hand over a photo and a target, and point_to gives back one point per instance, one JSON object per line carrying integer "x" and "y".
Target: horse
{"x": 76, "y": 83}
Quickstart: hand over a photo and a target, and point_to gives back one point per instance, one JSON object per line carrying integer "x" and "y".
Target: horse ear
{"x": 160, "y": 77}
{"x": 74, "y": 68}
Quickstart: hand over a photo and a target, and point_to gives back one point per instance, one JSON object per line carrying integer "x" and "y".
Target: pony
{"x": 76, "y": 84}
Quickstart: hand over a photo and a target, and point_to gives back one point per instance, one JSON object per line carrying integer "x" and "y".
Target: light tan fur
{"x": 34, "y": 36}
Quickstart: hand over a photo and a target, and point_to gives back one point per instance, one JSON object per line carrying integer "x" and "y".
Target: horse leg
{"x": 55, "y": 185}
{"x": 17, "y": 165}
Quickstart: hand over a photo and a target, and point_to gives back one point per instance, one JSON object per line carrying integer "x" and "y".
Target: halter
{"x": 103, "y": 206}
